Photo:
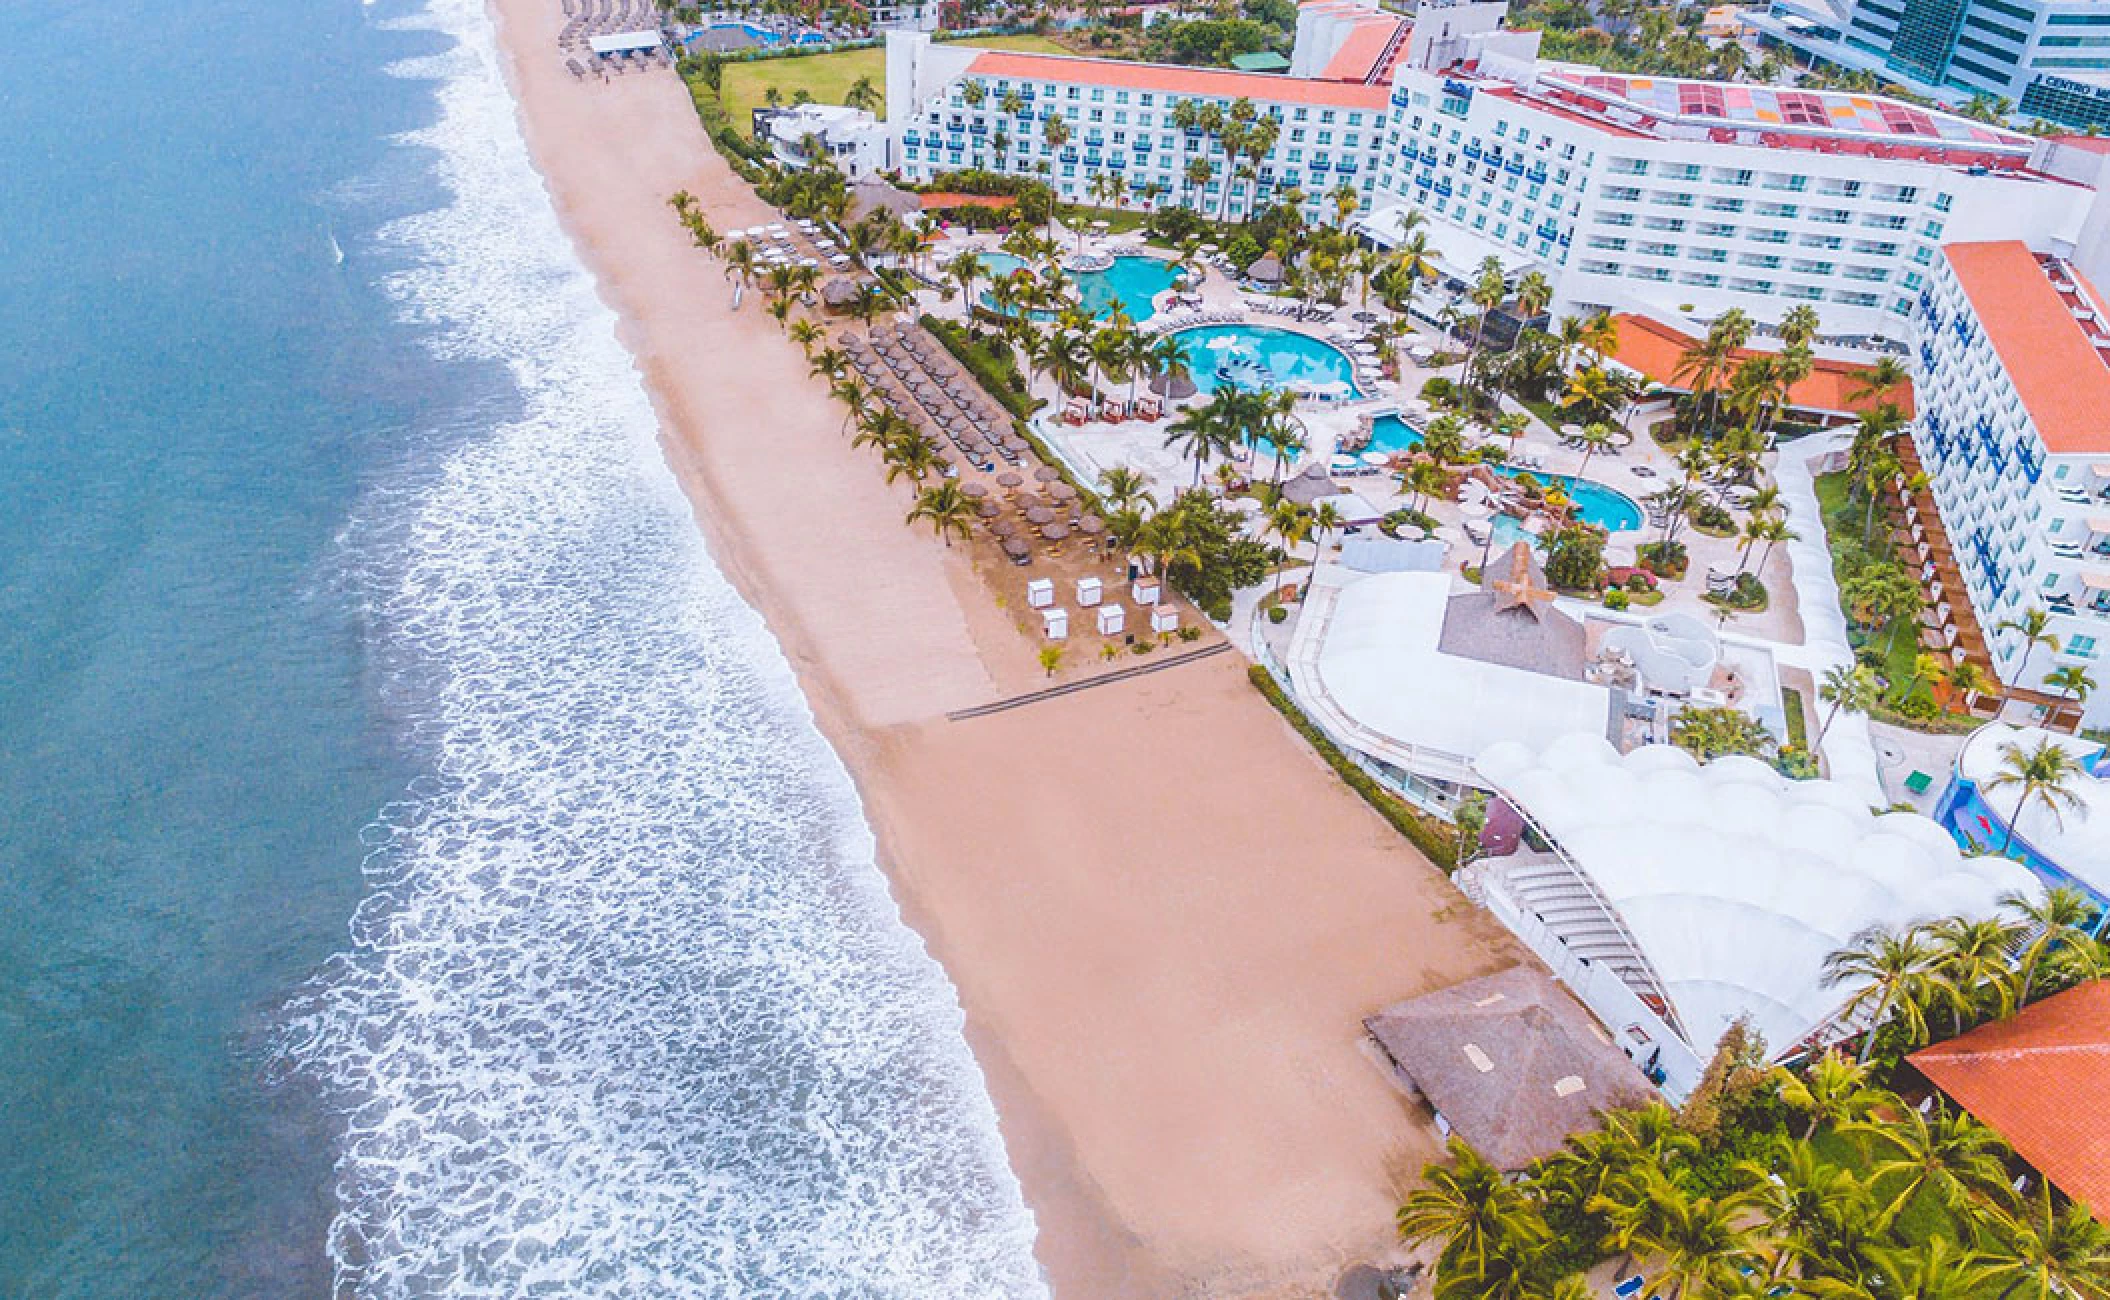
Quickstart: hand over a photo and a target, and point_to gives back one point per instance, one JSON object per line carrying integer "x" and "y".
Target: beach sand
{"x": 1166, "y": 918}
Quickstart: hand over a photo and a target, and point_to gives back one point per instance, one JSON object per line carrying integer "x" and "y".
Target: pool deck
{"x": 1636, "y": 470}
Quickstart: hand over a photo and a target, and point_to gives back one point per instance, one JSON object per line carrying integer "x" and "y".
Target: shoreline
{"x": 1163, "y": 916}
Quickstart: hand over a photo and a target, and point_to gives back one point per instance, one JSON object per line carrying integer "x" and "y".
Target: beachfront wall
{"x": 1627, "y": 199}
{"x": 2013, "y": 388}
{"x": 1119, "y": 121}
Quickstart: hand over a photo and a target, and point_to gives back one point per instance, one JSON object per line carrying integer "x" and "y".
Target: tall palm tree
{"x": 1936, "y": 1269}
{"x": 1489, "y": 291}
{"x": 1880, "y": 380}
{"x": 1122, "y": 488}
{"x": 1972, "y": 969}
{"x": 1326, "y": 519}
{"x": 1796, "y": 1194}
{"x": 2034, "y": 627}
{"x": 1201, "y": 431}
{"x": 1290, "y": 524}
{"x": 1950, "y": 1157}
{"x": 948, "y": 510}
{"x": 1853, "y": 688}
{"x": 1698, "y": 1242}
{"x": 914, "y": 457}
{"x": 2047, "y": 1251}
{"x": 2071, "y": 681}
{"x": 1471, "y": 1208}
{"x": 2056, "y": 917}
{"x": 1830, "y": 1090}
{"x": 1888, "y": 969}
{"x": 2044, "y": 772}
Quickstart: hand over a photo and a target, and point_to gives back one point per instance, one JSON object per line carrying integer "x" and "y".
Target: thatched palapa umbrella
{"x": 838, "y": 295}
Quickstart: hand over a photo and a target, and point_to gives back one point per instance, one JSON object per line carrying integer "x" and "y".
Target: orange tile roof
{"x": 2041, "y": 1079}
{"x": 1357, "y": 58}
{"x": 2057, "y": 373}
{"x": 950, "y": 199}
{"x": 1170, "y": 79}
{"x": 1655, "y": 349}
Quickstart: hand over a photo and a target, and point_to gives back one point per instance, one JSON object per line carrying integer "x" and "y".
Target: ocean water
{"x": 423, "y": 876}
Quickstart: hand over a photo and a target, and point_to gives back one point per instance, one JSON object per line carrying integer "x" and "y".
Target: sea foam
{"x": 628, "y": 1009}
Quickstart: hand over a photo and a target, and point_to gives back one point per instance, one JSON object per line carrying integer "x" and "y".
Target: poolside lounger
{"x": 1630, "y": 1287}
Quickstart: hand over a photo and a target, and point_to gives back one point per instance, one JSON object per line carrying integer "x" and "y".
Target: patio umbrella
{"x": 1062, "y": 492}
{"x": 989, "y": 510}
{"x": 1055, "y": 532}
{"x": 975, "y": 490}
{"x": 1091, "y": 525}
{"x": 1047, "y": 474}
{"x": 1016, "y": 549}
{"x": 1016, "y": 443}
{"x": 1009, "y": 479}
{"x": 1038, "y": 515}
{"x": 1003, "y": 527}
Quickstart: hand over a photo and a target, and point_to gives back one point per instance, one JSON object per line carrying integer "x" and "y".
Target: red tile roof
{"x": 1172, "y": 80}
{"x": 2041, "y": 1079}
{"x": 2060, "y": 376}
{"x": 1655, "y": 349}
{"x": 2088, "y": 143}
{"x": 1358, "y": 56}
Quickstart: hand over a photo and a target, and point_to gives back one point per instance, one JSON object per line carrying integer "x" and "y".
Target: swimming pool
{"x": 1608, "y": 508}
{"x": 760, "y": 36}
{"x": 1128, "y": 285}
{"x": 1261, "y": 356}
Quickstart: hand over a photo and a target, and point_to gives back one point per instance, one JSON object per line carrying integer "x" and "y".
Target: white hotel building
{"x": 2013, "y": 359}
{"x": 1672, "y": 200}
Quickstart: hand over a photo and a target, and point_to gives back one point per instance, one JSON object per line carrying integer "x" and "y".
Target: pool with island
{"x": 1607, "y": 508}
{"x": 1129, "y": 285}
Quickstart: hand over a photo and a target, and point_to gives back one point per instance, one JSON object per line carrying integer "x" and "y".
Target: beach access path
{"x": 1165, "y": 917}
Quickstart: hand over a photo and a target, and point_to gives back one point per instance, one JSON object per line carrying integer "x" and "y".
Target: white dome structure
{"x": 1732, "y": 882}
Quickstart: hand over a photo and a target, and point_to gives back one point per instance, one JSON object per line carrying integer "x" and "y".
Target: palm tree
{"x": 1290, "y": 525}
{"x": 1830, "y": 1090}
{"x": 862, "y": 95}
{"x": 948, "y": 510}
{"x": 1325, "y": 520}
{"x": 1698, "y": 1241}
{"x": 1952, "y": 1157}
{"x": 806, "y": 333}
{"x": 1490, "y": 290}
{"x": 1889, "y": 968}
{"x": 1880, "y": 379}
{"x": 1122, "y": 488}
{"x": 1853, "y": 688}
{"x": 1471, "y": 1208}
{"x": 963, "y": 271}
{"x": 2035, "y": 629}
{"x": 2071, "y": 681}
{"x": 1595, "y": 437}
{"x": 1798, "y": 1195}
{"x": 1936, "y": 1269}
{"x": 1202, "y": 431}
{"x": 915, "y": 457}
{"x": 2048, "y": 921}
{"x": 1971, "y": 964}
{"x": 2044, "y": 772}
{"x": 2047, "y": 1251}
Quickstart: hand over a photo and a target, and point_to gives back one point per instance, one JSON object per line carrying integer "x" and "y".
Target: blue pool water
{"x": 1261, "y": 356}
{"x": 1129, "y": 285}
{"x": 758, "y": 35}
{"x": 1608, "y": 508}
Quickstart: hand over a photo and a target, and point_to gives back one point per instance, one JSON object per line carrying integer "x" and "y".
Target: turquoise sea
{"x": 419, "y": 874}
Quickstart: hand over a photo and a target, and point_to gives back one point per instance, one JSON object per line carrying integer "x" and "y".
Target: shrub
{"x": 1036, "y": 201}
{"x": 1712, "y": 516}
{"x": 1188, "y": 633}
{"x": 1664, "y": 559}
{"x": 1616, "y": 598}
{"x": 1177, "y": 223}
{"x": 1277, "y": 614}
{"x": 1243, "y": 252}
{"x": 1575, "y": 558}
{"x": 1437, "y": 389}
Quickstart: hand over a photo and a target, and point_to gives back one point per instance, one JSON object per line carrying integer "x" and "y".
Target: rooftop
{"x": 2041, "y": 1079}
{"x": 1735, "y": 882}
{"x": 1362, "y": 56}
{"x": 1171, "y": 79}
{"x": 1378, "y": 661}
{"x": 2049, "y": 326}
{"x": 1513, "y": 621}
{"x": 1655, "y": 351}
{"x": 1510, "y": 1061}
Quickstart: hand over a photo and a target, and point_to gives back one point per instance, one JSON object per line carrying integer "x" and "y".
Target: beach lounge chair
{"x": 1631, "y": 1287}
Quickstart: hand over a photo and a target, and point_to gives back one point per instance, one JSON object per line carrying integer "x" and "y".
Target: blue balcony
{"x": 1536, "y": 174}
{"x": 1515, "y": 167}
{"x": 1400, "y": 98}
{"x": 1472, "y": 151}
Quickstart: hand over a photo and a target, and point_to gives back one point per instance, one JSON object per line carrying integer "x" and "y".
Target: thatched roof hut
{"x": 839, "y": 294}
{"x": 875, "y": 193}
{"x": 1267, "y": 269}
{"x": 1512, "y": 621}
{"x": 1510, "y": 1063}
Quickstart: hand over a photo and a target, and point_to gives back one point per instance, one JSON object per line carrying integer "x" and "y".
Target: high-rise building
{"x": 2048, "y": 59}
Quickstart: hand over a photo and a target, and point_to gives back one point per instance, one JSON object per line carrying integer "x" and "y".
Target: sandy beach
{"x": 1165, "y": 917}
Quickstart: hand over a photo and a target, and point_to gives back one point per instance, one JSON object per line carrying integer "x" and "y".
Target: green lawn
{"x": 828, "y": 77}
{"x": 1898, "y": 643}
